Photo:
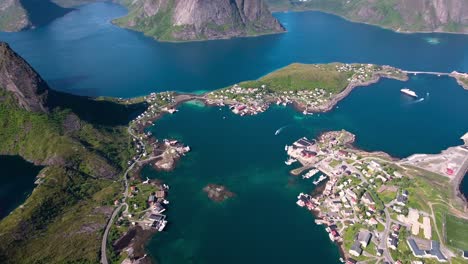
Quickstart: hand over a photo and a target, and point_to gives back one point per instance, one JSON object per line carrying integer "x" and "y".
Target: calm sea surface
{"x": 17, "y": 182}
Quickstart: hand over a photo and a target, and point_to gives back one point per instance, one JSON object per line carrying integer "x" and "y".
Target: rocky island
{"x": 218, "y": 193}
{"x": 186, "y": 20}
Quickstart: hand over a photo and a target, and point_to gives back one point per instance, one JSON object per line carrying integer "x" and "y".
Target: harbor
{"x": 355, "y": 206}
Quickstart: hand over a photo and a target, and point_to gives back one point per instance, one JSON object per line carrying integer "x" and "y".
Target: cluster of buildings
{"x": 426, "y": 249}
{"x": 351, "y": 197}
{"x": 153, "y": 196}
{"x": 157, "y": 102}
{"x": 364, "y": 72}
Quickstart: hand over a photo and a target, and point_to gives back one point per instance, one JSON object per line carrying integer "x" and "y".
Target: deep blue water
{"x": 17, "y": 182}
{"x": 84, "y": 53}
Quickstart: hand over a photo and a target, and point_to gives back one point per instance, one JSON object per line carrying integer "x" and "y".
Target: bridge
{"x": 424, "y": 72}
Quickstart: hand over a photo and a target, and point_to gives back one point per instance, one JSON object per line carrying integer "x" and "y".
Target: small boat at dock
{"x": 310, "y": 173}
{"x": 320, "y": 179}
{"x": 290, "y": 161}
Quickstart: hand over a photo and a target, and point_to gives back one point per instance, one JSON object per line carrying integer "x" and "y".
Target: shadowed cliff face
{"x": 18, "y": 77}
{"x": 200, "y": 19}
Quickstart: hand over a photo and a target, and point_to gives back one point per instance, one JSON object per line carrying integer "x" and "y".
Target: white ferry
{"x": 409, "y": 92}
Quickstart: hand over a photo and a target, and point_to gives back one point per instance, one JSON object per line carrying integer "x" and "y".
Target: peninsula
{"x": 310, "y": 88}
{"x": 18, "y": 15}
{"x": 378, "y": 208}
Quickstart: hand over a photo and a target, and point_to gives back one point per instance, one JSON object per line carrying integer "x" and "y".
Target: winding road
{"x": 117, "y": 209}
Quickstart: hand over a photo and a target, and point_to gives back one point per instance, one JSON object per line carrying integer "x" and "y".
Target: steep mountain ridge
{"x": 17, "y": 76}
{"x": 399, "y": 15}
{"x": 84, "y": 146}
{"x": 184, "y": 20}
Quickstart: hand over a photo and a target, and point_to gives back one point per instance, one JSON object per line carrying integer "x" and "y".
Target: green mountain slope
{"x": 83, "y": 155}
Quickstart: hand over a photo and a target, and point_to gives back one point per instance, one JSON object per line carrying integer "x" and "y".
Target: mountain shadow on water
{"x": 98, "y": 112}
{"x": 41, "y": 12}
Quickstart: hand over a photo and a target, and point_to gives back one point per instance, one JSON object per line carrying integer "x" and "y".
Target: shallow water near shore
{"x": 17, "y": 182}
{"x": 262, "y": 223}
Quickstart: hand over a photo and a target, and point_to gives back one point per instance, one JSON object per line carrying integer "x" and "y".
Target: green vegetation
{"x": 296, "y": 77}
{"x": 158, "y": 26}
{"x": 11, "y": 18}
{"x": 394, "y": 14}
{"x": 456, "y": 231}
{"x": 62, "y": 220}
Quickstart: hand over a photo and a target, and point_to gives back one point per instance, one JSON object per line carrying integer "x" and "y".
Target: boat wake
{"x": 421, "y": 99}
{"x": 279, "y": 130}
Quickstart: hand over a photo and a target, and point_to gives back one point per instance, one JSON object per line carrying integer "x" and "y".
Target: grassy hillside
{"x": 297, "y": 77}
{"x": 158, "y": 26}
{"x": 62, "y": 220}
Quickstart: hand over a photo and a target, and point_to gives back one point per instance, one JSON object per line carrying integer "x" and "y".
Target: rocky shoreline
{"x": 462, "y": 78}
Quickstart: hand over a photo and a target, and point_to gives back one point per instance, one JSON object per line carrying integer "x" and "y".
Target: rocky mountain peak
{"x": 200, "y": 19}
{"x": 19, "y": 78}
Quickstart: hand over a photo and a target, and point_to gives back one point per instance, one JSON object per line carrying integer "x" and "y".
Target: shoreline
{"x": 180, "y": 98}
{"x": 368, "y": 23}
{"x": 318, "y": 199}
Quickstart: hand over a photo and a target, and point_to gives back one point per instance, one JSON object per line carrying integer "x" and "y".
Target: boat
{"x": 162, "y": 225}
{"x": 409, "y": 92}
{"x": 290, "y": 161}
{"x": 286, "y": 148}
{"x": 320, "y": 179}
{"x": 309, "y": 174}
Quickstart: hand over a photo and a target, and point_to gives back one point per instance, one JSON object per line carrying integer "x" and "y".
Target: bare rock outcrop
{"x": 184, "y": 20}
{"x": 18, "y": 77}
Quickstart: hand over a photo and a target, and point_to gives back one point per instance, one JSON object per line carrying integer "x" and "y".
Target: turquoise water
{"x": 84, "y": 53}
{"x": 17, "y": 182}
{"x": 262, "y": 224}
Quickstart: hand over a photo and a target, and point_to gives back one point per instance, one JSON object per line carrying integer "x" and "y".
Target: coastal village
{"x": 252, "y": 98}
{"x": 367, "y": 203}
{"x": 145, "y": 201}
